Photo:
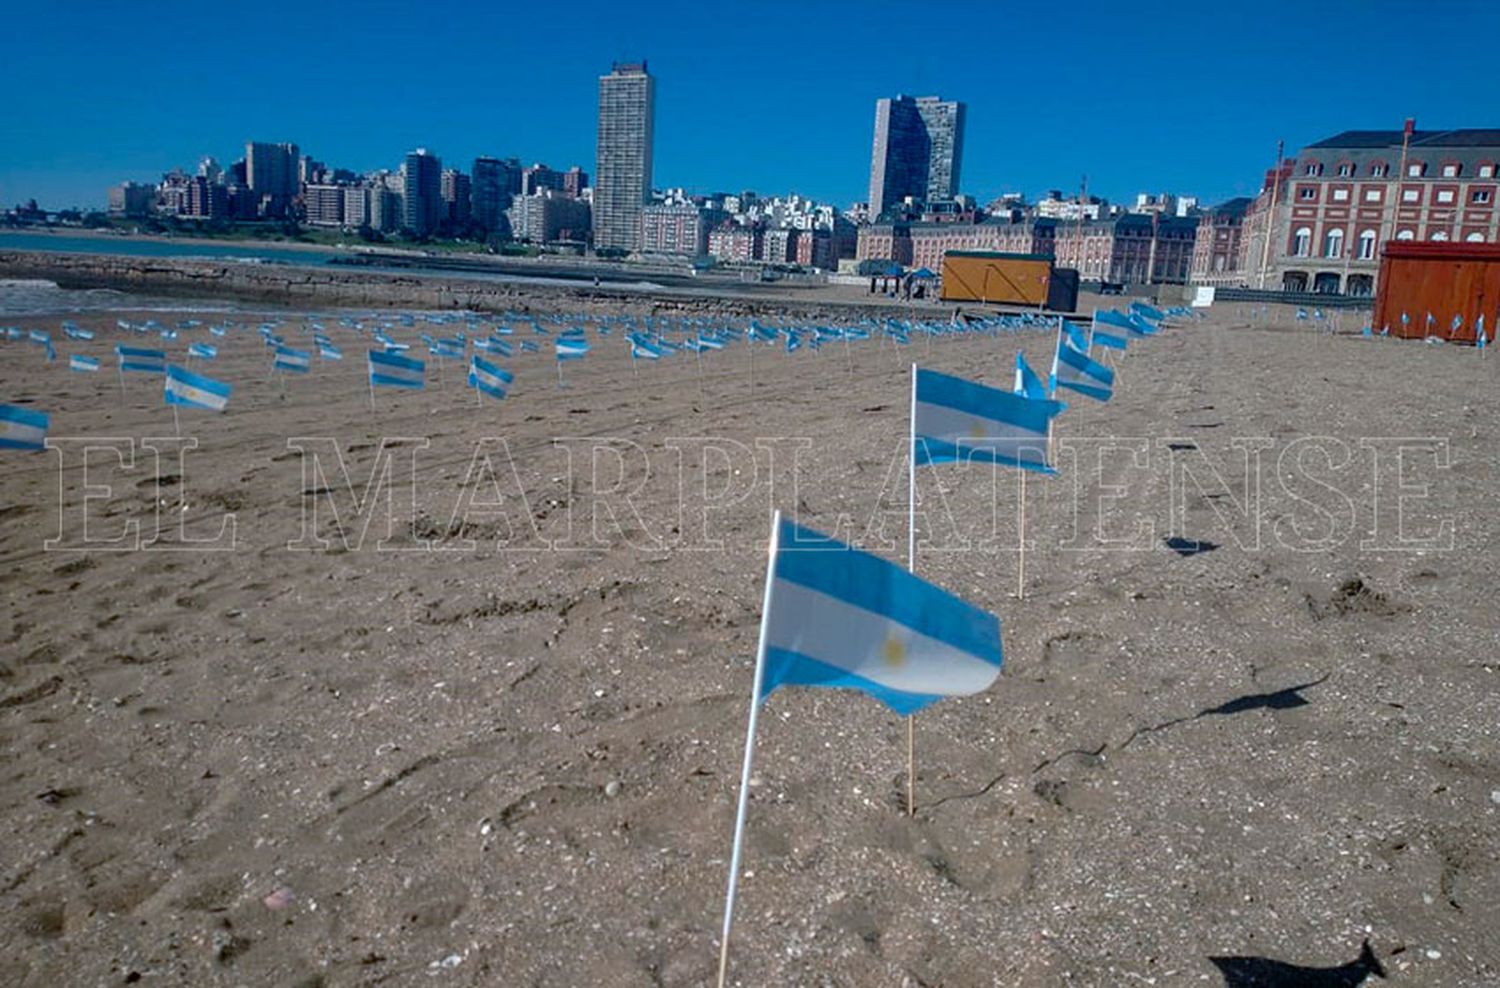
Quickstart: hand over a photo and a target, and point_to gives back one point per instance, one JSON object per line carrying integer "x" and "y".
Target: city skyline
{"x": 88, "y": 112}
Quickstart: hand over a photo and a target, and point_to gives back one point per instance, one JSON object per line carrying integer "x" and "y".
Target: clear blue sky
{"x": 770, "y": 96}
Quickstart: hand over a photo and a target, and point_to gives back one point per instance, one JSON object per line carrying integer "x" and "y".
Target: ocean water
{"x": 37, "y": 298}
{"x": 161, "y": 247}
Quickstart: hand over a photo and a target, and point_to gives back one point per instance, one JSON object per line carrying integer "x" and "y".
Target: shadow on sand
{"x": 1283, "y": 699}
{"x": 1261, "y": 972}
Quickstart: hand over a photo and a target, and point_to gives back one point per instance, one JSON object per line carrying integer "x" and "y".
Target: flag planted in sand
{"x": 22, "y": 428}
{"x": 956, "y": 420}
{"x": 190, "y": 390}
{"x": 138, "y": 360}
{"x": 391, "y": 370}
{"x": 492, "y": 380}
{"x": 87, "y": 365}
{"x": 1077, "y": 372}
{"x": 291, "y": 359}
{"x": 842, "y": 618}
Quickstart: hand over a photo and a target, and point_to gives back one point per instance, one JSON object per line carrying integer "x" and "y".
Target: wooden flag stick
{"x": 1021, "y": 546}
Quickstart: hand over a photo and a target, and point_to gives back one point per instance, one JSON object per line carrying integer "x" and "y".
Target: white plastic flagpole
{"x": 911, "y": 567}
{"x": 739, "y": 816}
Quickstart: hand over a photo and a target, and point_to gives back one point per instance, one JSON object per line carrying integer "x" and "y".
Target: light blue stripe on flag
{"x": 841, "y": 618}
{"x": 183, "y": 387}
{"x": 330, "y": 352}
{"x": 1075, "y": 371}
{"x": 955, "y": 420}
{"x": 1028, "y": 384}
{"x": 1113, "y": 341}
{"x": 296, "y": 361}
{"x": 204, "y": 351}
{"x": 493, "y": 381}
{"x": 142, "y": 361}
{"x": 79, "y": 362}
{"x": 22, "y": 428}
{"x": 1075, "y": 337}
{"x": 391, "y": 370}
{"x": 570, "y": 349}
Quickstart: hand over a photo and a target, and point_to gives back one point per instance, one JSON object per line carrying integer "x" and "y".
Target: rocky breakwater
{"x": 343, "y": 287}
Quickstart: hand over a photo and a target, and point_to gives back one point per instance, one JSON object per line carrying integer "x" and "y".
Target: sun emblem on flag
{"x": 894, "y": 650}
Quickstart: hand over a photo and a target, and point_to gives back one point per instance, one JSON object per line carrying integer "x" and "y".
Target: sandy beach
{"x": 488, "y": 731}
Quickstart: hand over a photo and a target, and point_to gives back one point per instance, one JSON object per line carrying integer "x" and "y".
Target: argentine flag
{"x": 22, "y": 428}
{"x": 642, "y": 349}
{"x": 840, "y": 618}
{"x": 1075, "y": 336}
{"x": 1028, "y": 385}
{"x": 953, "y": 420}
{"x": 1113, "y": 341}
{"x": 493, "y": 381}
{"x": 195, "y": 391}
{"x": 74, "y": 333}
{"x": 391, "y": 370}
{"x": 203, "y": 351}
{"x": 570, "y": 349}
{"x": 296, "y": 361}
{"x": 330, "y": 352}
{"x": 79, "y": 362}
{"x": 1146, "y": 311}
{"x": 143, "y": 361}
{"x": 1075, "y": 371}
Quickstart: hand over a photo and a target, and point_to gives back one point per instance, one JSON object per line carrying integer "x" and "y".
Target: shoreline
{"x": 359, "y": 286}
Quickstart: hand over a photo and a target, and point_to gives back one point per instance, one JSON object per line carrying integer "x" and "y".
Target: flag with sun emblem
{"x": 838, "y": 617}
{"x": 954, "y": 420}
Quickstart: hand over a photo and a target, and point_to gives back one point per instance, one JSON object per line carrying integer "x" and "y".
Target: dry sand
{"x": 467, "y": 765}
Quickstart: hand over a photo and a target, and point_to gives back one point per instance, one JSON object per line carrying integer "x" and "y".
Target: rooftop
{"x": 1471, "y": 137}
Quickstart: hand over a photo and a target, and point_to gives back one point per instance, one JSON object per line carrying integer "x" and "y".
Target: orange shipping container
{"x": 1008, "y": 279}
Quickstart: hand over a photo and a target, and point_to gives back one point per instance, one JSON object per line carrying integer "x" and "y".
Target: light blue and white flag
{"x": 391, "y": 370}
{"x": 840, "y": 618}
{"x": 1480, "y": 340}
{"x": 74, "y": 333}
{"x": 39, "y": 336}
{"x": 203, "y": 351}
{"x": 710, "y": 342}
{"x": 1077, "y": 372}
{"x": 1028, "y": 384}
{"x": 1113, "y": 341}
{"x": 218, "y": 330}
{"x": 328, "y": 351}
{"x": 296, "y": 361}
{"x": 570, "y": 348}
{"x": 954, "y": 420}
{"x": 141, "y": 361}
{"x": 88, "y": 365}
{"x": 1153, "y": 314}
{"x": 448, "y": 349}
{"x": 22, "y": 428}
{"x": 194, "y": 390}
{"x": 493, "y": 381}
{"x": 1075, "y": 337}
{"x": 529, "y": 347}
{"x": 1456, "y": 325}
{"x": 643, "y": 349}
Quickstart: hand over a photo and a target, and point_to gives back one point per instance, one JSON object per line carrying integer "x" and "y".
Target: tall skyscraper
{"x": 271, "y": 170}
{"x": 918, "y": 150}
{"x": 495, "y": 184}
{"x": 421, "y": 192}
{"x": 622, "y": 172}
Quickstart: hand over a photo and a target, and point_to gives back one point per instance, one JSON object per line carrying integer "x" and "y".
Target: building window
{"x": 1302, "y": 242}
{"x": 1307, "y": 192}
{"x": 1313, "y": 169}
{"x": 1482, "y": 196}
{"x": 1445, "y": 195}
{"x": 1367, "y": 245}
{"x": 1475, "y": 238}
{"x": 1346, "y": 170}
{"x": 1380, "y": 169}
{"x": 1415, "y": 169}
{"x": 1439, "y": 235}
{"x": 1333, "y": 244}
{"x": 1411, "y": 195}
{"x": 1372, "y": 195}
{"x": 1451, "y": 171}
{"x": 1406, "y": 235}
{"x": 1340, "y": 195}
{"x": 1487, "y": 171}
